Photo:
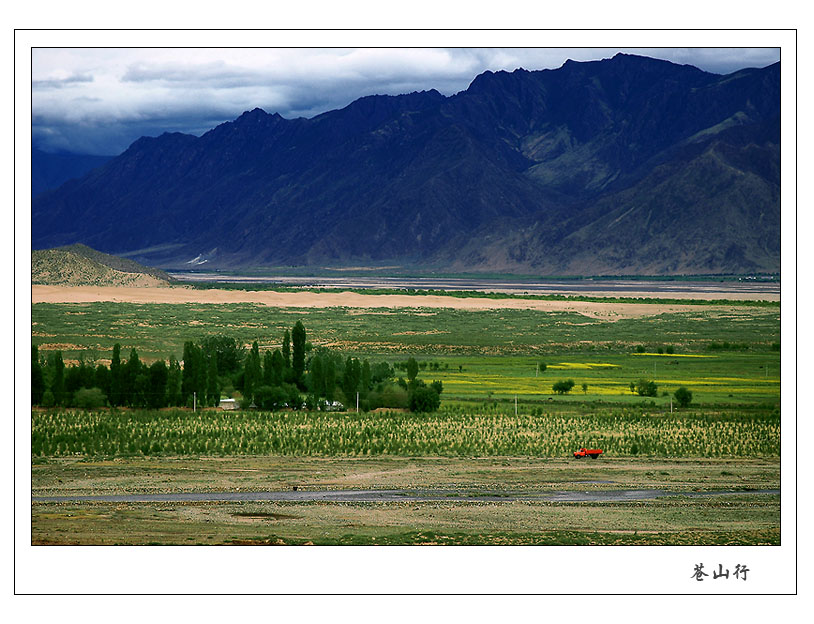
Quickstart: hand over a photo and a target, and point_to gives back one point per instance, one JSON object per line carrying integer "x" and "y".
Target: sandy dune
{"x": 88, "y": 294}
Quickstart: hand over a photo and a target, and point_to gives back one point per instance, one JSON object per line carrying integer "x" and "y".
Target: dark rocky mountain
{"x": 50, "y": 171}
{"x": 629, "y": 165}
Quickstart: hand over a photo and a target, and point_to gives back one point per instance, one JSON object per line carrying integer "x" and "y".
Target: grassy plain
{"x": 160, "y": 329}
{"x": 728, "y": 439}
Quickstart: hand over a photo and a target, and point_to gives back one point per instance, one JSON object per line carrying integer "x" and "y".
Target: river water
{"x": 702, "y": 289}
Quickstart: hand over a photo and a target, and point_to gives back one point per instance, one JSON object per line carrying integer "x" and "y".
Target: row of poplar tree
{"x": 294, "y": 375}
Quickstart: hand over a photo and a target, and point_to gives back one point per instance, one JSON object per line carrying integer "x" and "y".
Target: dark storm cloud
{"x": 100, "y": 101}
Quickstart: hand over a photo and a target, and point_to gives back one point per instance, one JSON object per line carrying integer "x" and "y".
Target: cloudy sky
{"x": 98, "y": 101}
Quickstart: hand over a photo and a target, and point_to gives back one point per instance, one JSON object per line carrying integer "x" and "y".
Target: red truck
{"x": 583, "y": 452}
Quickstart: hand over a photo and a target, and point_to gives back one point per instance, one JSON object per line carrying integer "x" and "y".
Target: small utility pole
{"x": 357, "y": 402}
{"x": 515, "y": 405}
{"x": 537, "y": 369}
{"x": 194, "y": 400}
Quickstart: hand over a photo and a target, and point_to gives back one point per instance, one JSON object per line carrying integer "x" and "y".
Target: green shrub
{"x": 89, "y": 398}
{"x": 424, "y": 399}
{"x": 48, "y": 399}
{"x": 389, "y": 395}
{"x": 683, "y": 396}
{"x": 563, "y": 386}
{"x": 645, "y": 387}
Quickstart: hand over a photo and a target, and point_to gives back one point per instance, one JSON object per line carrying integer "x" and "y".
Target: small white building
{"x": 228, "y": 404}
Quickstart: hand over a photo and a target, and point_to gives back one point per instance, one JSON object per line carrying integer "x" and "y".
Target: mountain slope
{"x": 627, "y": 165}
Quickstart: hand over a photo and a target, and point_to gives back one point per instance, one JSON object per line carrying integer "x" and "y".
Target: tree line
{"x": 297, "y": 375}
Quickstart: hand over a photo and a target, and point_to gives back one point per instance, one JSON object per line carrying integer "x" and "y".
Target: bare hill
{"x": 78, "y": 265}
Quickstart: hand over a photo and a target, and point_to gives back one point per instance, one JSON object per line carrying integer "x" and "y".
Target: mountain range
{"x": 629, "y": 165}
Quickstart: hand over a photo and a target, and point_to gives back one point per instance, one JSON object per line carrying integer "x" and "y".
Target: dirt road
{"x": 348, "y": 496}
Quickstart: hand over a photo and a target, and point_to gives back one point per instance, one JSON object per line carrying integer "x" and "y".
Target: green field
{"x": 481, "y": 354}
{"x": 742, "y": 378}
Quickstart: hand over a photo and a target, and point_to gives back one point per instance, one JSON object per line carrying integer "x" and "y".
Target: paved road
{"x": 372, "y": 496}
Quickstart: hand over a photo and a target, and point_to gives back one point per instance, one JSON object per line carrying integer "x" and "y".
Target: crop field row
{"x": 446, "y": 433}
